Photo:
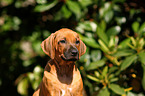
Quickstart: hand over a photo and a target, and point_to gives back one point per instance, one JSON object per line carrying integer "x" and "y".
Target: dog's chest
{"x": 54, "y": 85}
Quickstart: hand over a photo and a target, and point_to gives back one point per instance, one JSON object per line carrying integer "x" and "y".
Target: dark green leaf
{"x": 113, "y": 31}
{"x": 128, "y": 61}
{"x": 143, "y": 78}
{"x": 112, "y": 69}
{"x": 117, "y": 89}
{"x": 45, "y": 7}
{"x": 104, "y": 92}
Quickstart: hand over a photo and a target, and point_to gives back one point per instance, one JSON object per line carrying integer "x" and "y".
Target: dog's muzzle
{"x": 72, "y": 54}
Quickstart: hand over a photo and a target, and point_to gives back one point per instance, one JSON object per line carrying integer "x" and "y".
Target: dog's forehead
{"x": 66, "y": 33}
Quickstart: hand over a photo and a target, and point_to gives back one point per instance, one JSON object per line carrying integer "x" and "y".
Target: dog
{"x": 61, "y": 75}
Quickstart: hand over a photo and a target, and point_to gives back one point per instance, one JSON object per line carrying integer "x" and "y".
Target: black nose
{"x": 74, "y": 52}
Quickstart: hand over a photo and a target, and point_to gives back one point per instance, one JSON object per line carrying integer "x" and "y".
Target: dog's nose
{"x": 74, "y": 52}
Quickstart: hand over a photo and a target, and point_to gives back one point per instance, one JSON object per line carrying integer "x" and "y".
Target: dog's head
{"x": 64, "y": 44}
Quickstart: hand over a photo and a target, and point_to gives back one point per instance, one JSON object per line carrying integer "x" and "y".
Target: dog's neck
{"x": 64, "y": 70}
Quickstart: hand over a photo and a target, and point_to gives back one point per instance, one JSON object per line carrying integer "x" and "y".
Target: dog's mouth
{"x": 71, "y": 58}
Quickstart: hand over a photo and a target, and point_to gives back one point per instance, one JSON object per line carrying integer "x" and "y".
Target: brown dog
{"x": 61, "y": 76}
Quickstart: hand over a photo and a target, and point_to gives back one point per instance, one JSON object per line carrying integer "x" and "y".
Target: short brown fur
{"x": 61, "y": 76}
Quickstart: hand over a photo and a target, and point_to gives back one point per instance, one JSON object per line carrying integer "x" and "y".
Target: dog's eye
{"x": 77, "y": 42}
{"x": 62, "y": 41}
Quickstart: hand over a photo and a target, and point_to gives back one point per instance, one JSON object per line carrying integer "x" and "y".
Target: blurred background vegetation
{"x": 113, "y": 30}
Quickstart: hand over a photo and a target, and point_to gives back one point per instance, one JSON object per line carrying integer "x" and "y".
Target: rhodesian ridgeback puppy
{"x": 61, "y": 76}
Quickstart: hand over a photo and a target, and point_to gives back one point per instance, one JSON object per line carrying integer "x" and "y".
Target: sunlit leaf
{"x": 23, "y": 87}
{"x": 105, "y": 71}
{"x": 93, "y": 78}
{"x": 103, "y": 46}
{"x": 45, "y": 7}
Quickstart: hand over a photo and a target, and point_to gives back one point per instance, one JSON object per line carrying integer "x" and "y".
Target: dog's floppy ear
{"x": 48, "y": 46}
{"x": 82, "y": 48}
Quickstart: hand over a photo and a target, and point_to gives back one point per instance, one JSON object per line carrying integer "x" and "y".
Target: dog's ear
{"x": 48, "y": 46}
{"x": 82, "y": 48}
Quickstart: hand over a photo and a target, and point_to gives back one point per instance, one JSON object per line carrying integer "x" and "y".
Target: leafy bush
{"x": 113, "y": 31}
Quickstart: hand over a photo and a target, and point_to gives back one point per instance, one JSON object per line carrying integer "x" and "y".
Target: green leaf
{"x": 143, "y": 79}
{"x": 104, "y": 92}
{"x": 45, "y": 7}
{"x": 23, "y": 87}
{"x": 117, "y": 89}
{"x": 135, "y": 26}
{"x": 103, "y": 46}
{"x": 93, "y": 78}
{"x": 41, "y": 1}
{"x": 113, "y": 31}
{"x": 74, "y": 7}
{"x": 142, "y": 28}
{"x": 128, "y": 61}
{"x": 120, "y": 20}
{"x": 103, "y": 25}
{"x": 95, "y": 65}
{"x": 112, "y": 69}
{"x": 105, "y": 71}
{"x": 113, "y": 79}
{"x": 142, "y": 57}
{"x": 96, "y": 55}
{"x": 97, "y": 74}
{"x": 90, "y": 42}
{"x": 102, "y": 35}
{"x": 124, "y": 43}
{"x": 108, "y": 16}
{"x": 124, "y": 52}
{"x": 66, "y": 12}
{"x": 85, "y": 3}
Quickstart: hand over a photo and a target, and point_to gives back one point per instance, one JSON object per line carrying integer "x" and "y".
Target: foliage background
{"x": 113, "y": 30}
